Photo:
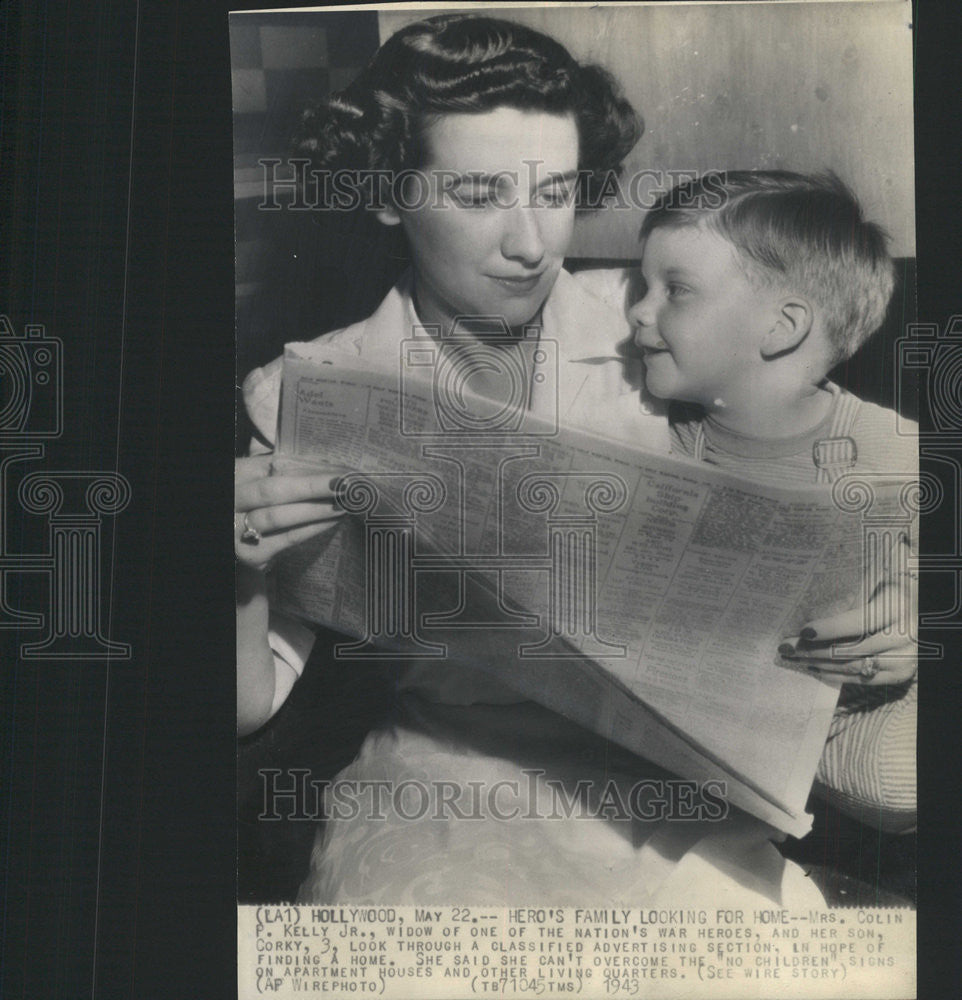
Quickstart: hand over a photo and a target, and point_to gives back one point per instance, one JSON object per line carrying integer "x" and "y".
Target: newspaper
{"x": 641, "y": 595}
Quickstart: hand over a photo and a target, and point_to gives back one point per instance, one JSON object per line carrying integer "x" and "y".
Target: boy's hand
{"x": 874, "y": 643}
{"x": 274, "y": 513}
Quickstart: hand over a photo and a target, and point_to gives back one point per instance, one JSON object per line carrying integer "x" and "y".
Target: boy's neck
{"x": 774, "y": 414}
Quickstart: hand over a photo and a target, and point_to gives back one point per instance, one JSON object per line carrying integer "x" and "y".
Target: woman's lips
{"x": 519, "y": 284}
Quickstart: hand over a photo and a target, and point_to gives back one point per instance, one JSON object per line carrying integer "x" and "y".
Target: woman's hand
{"x": 274, "y": 513}
{"x": 874, "y": 643}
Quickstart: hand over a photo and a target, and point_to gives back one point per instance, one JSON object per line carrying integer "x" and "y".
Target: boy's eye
{"x": 675, "y": 290}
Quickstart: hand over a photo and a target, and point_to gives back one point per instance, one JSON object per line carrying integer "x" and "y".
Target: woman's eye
{"x": 554, "y": 198}
{"x": 675, "y": 290}
{"x": 472, "y": 198}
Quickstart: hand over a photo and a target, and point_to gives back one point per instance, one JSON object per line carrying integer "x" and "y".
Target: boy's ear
{"x": 791, "y": 325}
{"x": 389, "y": 216}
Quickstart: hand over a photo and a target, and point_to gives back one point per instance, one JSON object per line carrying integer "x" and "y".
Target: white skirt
{"x": 505, "y": 805}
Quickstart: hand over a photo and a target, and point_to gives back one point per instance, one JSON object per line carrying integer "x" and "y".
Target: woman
{"x": 495, "y": 124}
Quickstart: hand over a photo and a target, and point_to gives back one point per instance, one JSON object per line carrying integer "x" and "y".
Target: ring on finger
{"x": 869, "y": 668}
{"x": 250, "y": 535}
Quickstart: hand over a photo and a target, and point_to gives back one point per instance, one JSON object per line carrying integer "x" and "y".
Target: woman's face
{"x": 490, "y": 215}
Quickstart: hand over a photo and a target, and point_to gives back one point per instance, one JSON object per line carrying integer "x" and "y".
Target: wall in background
{"x": 798, "y": 86}
{"x": 290, "y": 277}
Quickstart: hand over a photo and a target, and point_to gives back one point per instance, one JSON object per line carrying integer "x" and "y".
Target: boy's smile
{"x": 701, "y": 321}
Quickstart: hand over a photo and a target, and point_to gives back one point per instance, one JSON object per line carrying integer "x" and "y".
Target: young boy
{"x": 758, "y": 284}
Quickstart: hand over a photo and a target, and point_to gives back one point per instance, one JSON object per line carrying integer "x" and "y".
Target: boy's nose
{"x": 642, "y": 313}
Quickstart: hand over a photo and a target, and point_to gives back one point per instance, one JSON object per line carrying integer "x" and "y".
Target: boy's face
{"x": 701, "y": 322}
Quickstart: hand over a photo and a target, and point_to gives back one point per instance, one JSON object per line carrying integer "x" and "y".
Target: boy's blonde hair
{"x": 805, "y": 232}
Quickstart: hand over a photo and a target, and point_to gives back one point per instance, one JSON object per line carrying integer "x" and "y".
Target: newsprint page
{"x": 577, "y": 500}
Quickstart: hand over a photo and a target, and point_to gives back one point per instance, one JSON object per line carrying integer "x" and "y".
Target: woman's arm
{"x": 873, "y": 644}
{"x": 271, "y": 515}
{"x": 255, "y": 659}
{"x": 868, "y": 766}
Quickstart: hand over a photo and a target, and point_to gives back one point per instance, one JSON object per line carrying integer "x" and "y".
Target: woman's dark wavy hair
{"x": 457, "y": 63}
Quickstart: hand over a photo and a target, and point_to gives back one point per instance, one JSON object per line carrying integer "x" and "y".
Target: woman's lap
{"x": 509, "y": 805}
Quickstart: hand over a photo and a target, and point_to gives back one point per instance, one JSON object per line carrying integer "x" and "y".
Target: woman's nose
{"x": 522, "y": 240}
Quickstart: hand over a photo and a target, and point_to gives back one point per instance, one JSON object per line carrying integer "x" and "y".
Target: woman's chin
{"x": 519, "y": 309}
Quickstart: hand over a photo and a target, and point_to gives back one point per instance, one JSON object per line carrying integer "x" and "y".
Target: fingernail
{"x": 809, "y": 634}
{"x": 786, "y": 649}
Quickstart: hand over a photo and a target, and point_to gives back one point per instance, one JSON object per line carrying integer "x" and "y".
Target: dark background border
{"x": 109, "y": 91}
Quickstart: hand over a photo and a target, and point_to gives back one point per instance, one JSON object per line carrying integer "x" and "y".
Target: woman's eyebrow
{"x": 479, "y": 176}
{"x": 477, "y": 180}
{"x": 556, "y": 178}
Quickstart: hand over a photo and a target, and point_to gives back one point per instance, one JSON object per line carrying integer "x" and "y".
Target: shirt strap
{"x": 837, "y": 454}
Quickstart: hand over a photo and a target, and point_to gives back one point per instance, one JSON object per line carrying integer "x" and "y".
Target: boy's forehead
{"x": 688, "y": 243}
